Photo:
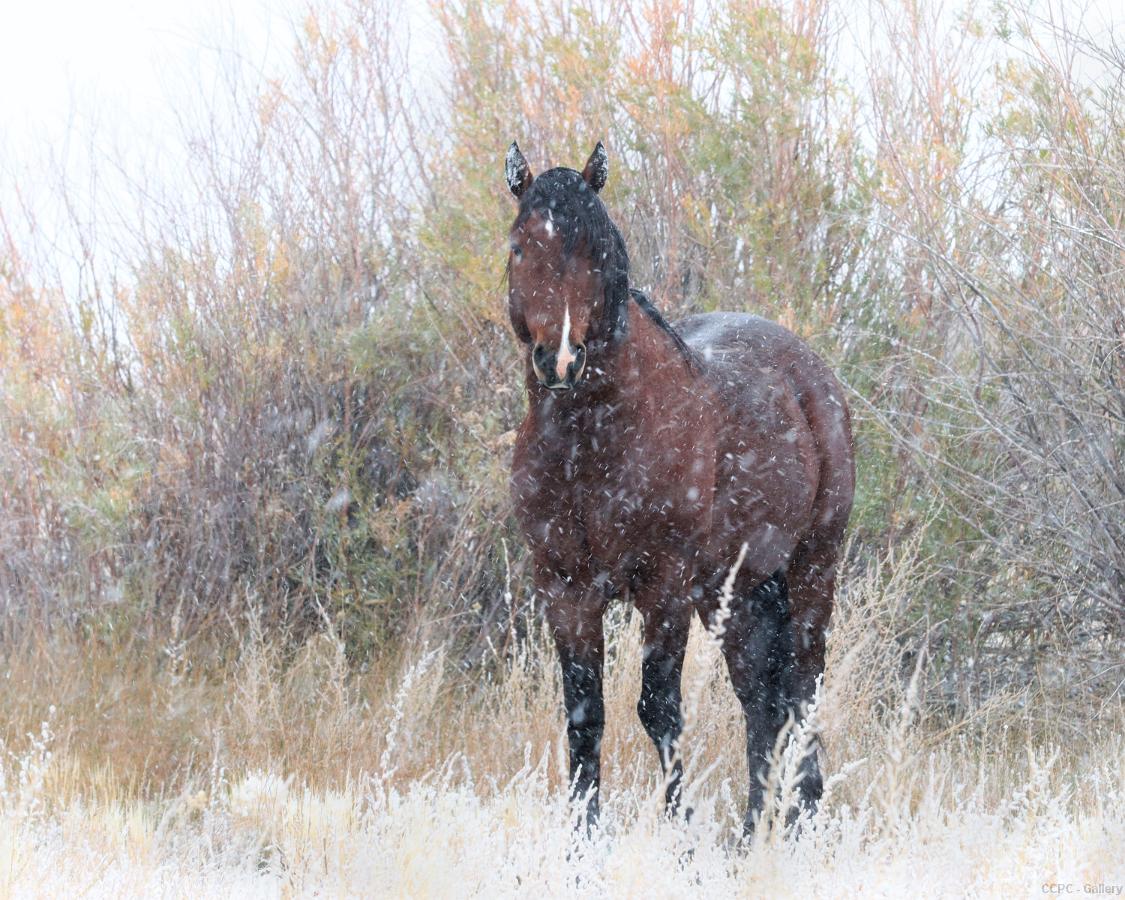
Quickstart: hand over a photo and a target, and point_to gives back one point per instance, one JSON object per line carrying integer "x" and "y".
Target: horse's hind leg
{"x": 757, "y": 648}
{"x": 667, "y": 621}
{"x": 812, "y": 581}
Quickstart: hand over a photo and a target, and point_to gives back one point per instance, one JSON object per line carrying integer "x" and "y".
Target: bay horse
{"x": 651, "y": 454}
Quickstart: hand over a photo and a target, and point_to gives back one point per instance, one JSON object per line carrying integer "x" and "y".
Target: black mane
{"x": 657, "y": 317}
{"x": 579, "y": 215}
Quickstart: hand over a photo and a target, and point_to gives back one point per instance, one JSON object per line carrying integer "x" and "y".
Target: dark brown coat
{"x": 649, "y": 457}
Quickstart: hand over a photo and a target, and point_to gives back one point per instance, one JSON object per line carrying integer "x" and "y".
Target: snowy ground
{"x": 445, "y": 837}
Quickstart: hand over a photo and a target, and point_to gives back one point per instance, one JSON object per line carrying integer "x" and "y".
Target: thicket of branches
{"x": 287, "y": 384}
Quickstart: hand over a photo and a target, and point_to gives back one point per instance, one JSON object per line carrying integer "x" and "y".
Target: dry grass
{"x": 176, "y": 771}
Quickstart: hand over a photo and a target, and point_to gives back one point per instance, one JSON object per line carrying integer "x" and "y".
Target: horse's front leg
{"x": 574, "y": 615}
{"x": 666, "y": 611}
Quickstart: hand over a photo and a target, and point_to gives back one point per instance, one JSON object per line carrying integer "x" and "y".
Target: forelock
{"x": 576, "y": 212}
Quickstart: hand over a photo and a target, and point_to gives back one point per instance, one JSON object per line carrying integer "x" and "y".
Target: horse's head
{"x": 567, "y": 268}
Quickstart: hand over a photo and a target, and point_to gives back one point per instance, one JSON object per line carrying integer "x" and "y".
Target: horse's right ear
{"x": 517, "y": 171}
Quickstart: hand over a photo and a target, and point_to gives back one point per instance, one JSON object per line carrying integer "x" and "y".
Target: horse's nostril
{"x": 579, "y": 363}
{"x": 539, "y": 355}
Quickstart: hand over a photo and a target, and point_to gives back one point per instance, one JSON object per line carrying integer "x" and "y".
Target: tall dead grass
{"x": 172, "y": 769}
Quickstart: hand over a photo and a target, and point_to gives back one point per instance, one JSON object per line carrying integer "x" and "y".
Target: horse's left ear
{"x": 597, "y": 168}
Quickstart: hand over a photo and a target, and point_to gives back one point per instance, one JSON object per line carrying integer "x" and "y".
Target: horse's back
{"x": 733, "y": 338}
{"x": 752, "y": 356}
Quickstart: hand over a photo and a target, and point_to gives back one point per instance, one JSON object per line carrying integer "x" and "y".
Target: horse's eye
{"x": 516, "y": 251}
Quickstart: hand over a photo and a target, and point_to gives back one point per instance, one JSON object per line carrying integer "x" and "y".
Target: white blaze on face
{"x": 565, "y": 356}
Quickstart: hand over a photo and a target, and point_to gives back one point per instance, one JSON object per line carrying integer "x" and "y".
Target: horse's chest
{"x": 634, "y": 500}
{"x": 612, "y": 494}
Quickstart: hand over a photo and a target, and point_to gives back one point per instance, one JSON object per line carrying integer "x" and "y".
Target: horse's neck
{"x": 648, "y": 364}
{"x": 643, "y": 377}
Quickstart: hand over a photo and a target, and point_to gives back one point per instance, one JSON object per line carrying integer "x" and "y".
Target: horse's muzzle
{"x": 551, "y": 374}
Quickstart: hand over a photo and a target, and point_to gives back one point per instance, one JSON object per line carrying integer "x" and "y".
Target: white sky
{"x": 112, "y": 62}
{"x": 82, "y": 80}
{"x": 58, "y": 57}
{"x": 110, "y": 71}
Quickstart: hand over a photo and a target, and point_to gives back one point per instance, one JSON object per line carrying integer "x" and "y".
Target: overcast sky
{"x": 93, "y": 78}
{"x": 115, "y": 57}
{"x": 116, "y": 69}
{"x": 112, "y": 62}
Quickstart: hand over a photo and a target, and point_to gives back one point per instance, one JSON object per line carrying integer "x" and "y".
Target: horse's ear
{"x": 597, "y": 168}
{"x": 517, "y": 171}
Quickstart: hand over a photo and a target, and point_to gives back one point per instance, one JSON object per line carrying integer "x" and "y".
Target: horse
{"x": 652, "y": 457}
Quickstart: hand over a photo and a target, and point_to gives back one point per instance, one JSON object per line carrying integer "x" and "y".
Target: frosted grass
{"x": 938, "y": 824}
{"x": 460, "y": 789}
